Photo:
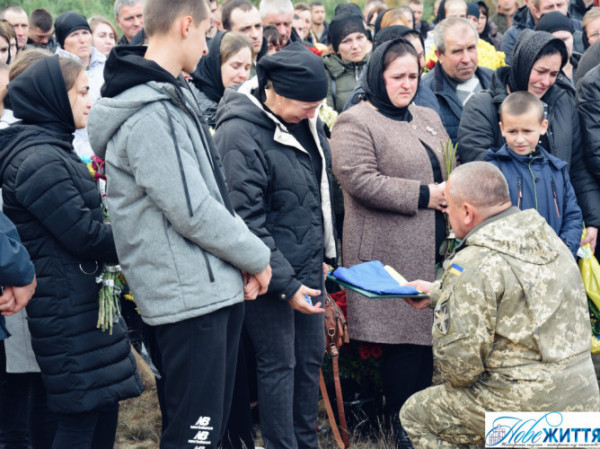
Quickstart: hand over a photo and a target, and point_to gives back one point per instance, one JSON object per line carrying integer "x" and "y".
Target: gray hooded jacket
{"x": 180, "y": 248}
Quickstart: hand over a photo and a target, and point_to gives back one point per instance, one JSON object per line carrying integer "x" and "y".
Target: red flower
{"x": 316, "y": 51}
{"x": 98, "y": 166}
{"x": 430, "y": 64}
{"x": 364, "y": 351}
{"x": 340, "y": 300}
{"x": 376, "y": 351}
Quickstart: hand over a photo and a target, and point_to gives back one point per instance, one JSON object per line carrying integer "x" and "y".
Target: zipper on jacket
{"x": 520, "y": 190}
{"x": 555, "y": 199}
{"x": 211, "y": 275}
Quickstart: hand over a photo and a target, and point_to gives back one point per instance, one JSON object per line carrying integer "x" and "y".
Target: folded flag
{"x": 372, "y": 276}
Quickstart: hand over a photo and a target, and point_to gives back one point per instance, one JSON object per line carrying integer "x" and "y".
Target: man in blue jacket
{"x": 456, "y": 76}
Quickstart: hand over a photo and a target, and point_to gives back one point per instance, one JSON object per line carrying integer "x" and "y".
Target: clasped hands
{"x": 14, "y": 299}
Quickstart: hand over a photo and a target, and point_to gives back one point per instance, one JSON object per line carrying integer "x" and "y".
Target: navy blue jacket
{"x": 16, "y": 268}
{"x": 541, "y": 181}
{"x": 450, "y": 107}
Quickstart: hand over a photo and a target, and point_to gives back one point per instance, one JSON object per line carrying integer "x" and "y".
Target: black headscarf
{"x": 347, "y": 8}
{"x": 374, "y": 86}
{"x": 39, "y": 97}
{"x": 395, "y": 32}
{"x": 67, "y": 23}
{"x": 207, "y": 76}
{"x": 525, "y": 54}
{"x": 295, "y": 72}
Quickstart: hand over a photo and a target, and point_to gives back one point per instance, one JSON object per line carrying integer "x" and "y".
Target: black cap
{"x": 68, "y": 22}
{"x": 295, "y": 72}
{"x": 473, "y": 9}
{"x": 555, "y": 21}
{"x": 343, "y": 25}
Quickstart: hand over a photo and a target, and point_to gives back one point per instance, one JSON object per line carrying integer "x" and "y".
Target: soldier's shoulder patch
{"x": 441, "y": 318}
{"x": 456, "y": 269}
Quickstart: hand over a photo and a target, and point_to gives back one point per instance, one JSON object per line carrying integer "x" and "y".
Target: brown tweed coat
{"x": 380, "y": 164}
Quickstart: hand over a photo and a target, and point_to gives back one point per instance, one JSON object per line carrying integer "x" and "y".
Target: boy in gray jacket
{"x": 188, "y": 258}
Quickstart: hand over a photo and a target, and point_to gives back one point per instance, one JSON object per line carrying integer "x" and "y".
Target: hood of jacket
{"x": 243, "y": 104}
{"x": 520, "y": 235}
{"x": 522, "y": 18}
{"x": 504, "y": 153}
{"x": 131, "y": 82}
{"x": 18, "y": 137}
{"x": 336, "y": 67}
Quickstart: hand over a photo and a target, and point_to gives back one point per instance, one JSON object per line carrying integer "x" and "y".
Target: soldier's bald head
{"x": 480, "y": 184}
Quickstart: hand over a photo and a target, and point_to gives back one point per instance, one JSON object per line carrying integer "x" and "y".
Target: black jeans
{"x": 88, "y": 430}
{"x": 198, "y": 364}
{"x": 405, "y": 369}
{"x": 24, "y": 418}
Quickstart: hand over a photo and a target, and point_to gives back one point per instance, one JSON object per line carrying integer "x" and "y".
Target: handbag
{"x": 336, "y": 335}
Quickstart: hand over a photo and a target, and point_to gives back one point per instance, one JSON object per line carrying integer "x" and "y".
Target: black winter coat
{"x": 53, "y": 201}
{"x": 479, "y": 131}
{"x": 588, "y": 104}
{"x": 274, "y": 189}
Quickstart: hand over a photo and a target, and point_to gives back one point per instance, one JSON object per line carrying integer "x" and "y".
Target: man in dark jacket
{"x": 242, "y": 17}
{"x": 578, "y": 8}
{"x": 130, "y": 18}
{"x": 588, "y": 105}
{"x": 527, "y": 16}
{"x": 456, "y": 76}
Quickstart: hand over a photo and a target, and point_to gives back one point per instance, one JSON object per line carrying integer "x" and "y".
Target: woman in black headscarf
{"x": 228, "y": 64}
{"x": 52, "y": 199}
{"x": 537, "y": 60}
{"x": 387, "y": 158}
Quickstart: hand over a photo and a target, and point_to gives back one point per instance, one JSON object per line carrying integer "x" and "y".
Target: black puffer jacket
{"x": 274, "y": 189}
{"x": 479, "y": 131}
{"x": 52, "y": 199}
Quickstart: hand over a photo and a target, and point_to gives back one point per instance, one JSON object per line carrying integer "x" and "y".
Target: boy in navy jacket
{"x": 536, "y": 179}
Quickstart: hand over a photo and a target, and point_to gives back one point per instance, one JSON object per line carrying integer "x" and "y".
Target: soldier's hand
{"x": 422, "y": 286}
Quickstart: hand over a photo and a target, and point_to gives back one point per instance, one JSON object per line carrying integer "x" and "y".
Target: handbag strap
{"x": 332, "y": 423}
{"x": 340, "y": 400}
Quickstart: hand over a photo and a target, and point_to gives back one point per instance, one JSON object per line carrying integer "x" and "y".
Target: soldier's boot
{"x": 402, "y": 440}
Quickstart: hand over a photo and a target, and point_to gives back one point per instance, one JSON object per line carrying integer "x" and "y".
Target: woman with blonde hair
{"x": 104, "y": 34}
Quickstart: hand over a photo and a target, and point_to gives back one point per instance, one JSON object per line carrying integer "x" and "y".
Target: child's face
{"x": 522, "y": 132}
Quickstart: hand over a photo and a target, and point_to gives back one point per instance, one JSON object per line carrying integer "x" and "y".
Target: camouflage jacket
{"x": 511, "y": 312}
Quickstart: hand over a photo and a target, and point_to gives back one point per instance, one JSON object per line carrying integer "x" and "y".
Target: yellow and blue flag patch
{"x": 456, "y": 269}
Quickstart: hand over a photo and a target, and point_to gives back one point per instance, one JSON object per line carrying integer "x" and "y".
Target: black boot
{"x": 402, "y": 440}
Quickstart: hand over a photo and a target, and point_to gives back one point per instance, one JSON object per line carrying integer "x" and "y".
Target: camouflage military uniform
{"x": 511, "y": 333}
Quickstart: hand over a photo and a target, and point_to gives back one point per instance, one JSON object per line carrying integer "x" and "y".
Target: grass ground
{"x": 139, "y": 423}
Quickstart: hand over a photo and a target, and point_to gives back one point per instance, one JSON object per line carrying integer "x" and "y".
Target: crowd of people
{"x": 216, "y": 160}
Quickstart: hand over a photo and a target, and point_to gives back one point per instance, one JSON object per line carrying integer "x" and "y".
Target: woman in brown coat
{"x": 387, "y": 157}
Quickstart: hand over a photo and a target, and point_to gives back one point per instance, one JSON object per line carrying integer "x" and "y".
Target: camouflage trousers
{"x": 443, "y": 417}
